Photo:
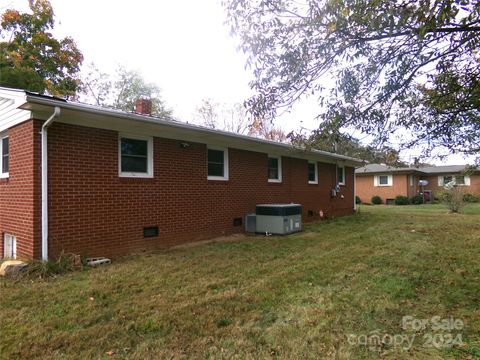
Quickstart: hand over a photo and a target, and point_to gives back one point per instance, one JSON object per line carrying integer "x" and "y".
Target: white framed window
{"x": 9, "y": 246}
{"x": 312, "y": 173}
{"x": 274, "y": 164}
{"x": 459, "y": 180}
{"x": 411, "y": 179}
{"x": 4, "y": 156}
{"x": 135, "y": 156}
{"x": 217, "y": 163}
{"x": 383, "y": 180}
{"x": 340, "y": 175}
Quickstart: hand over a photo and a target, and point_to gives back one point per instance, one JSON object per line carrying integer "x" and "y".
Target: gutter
{"x": 44, "y": 162}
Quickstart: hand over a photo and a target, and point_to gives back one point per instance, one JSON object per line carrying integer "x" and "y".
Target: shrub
{"x": 376, "y": 200}
{"x": 453, "y": 198}
{"x": 358, "y": 200}
{"x": 470, "y": 198}
{"x": 444, "y": 197}
{"x": 417, "y": 200}
{"x": 401, "y": 200}
{"x": 51, "y": 268}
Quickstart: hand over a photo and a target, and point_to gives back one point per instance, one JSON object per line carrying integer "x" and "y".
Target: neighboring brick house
{"x": 119, "y": 182}
{"x": 388, "y": 182}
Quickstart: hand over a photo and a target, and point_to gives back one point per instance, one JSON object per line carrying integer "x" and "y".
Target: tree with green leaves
{"x": 121, "y": 90}
{"x": 31, "y": 58}
{"x": 375, "y": 65}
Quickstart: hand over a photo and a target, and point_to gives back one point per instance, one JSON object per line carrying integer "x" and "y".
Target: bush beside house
{"x": 376, "y": 200}
{"x": 470, "y": 198}
{"x": 401, "y": 200}
{"x": 416, "y": 200}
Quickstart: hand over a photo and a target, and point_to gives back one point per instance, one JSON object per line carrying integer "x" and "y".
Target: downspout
{"x": 44, "y": 162}
{"x": 354, "y": 191}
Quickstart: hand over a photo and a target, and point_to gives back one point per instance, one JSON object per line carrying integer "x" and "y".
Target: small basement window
{"x": 135, "y": 156}
{"x": 9, "y": 246}
{"x": 274, "y": 169}
{"x": 312, "y": 173}
{"x": 4, "y": 156}
{"x": 217, "y": 164}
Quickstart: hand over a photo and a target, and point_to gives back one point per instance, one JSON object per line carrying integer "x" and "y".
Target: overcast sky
{"x": 182, "y": 46}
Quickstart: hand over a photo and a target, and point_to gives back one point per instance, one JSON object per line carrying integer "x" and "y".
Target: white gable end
{"x": 10, "y": 115}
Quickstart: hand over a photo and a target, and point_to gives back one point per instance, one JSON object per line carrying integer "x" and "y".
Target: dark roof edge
{"x": 434, "y": 171}
{"x": 50, "y": 101}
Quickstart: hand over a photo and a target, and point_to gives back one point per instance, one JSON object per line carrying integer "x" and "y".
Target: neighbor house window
{"x": 274, "y": 169}
{"x": 312, "y": 173}
{"x": 340, "y": 175}
{"x": 411, "y": 179}
{"x": 135, "y": 156}
{"x": 9, "y": 246}
{"x": 447, "y": 179}
{"x": 460, "y": 180}
{"x": 217, "y": 164}
{"x": 4, "y": 156}
{"x": 383, "y": 180}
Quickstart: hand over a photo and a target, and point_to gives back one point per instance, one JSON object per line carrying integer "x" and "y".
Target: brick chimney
{"x": 143, "y": 106}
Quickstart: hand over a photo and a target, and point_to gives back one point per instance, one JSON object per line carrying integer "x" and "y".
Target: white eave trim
{"x": 180, "y": 131}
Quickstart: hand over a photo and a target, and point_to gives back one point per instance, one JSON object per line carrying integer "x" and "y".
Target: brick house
{"x": 107, "y": 183}
{"x": 388, "y": 182}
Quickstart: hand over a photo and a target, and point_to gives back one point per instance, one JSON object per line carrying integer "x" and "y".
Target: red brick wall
{"x": 20, "y": 193}
{"x": 365, "y": 188}
{"x": 474, "y": 187}
{"x": 94, "y": 212}
{"x": 401, "y": 186}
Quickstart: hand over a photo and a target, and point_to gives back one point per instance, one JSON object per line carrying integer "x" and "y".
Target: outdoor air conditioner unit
{"x": 278, "y": 219}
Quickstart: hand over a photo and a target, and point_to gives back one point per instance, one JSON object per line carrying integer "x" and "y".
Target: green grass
{"x": 299, "y": 296}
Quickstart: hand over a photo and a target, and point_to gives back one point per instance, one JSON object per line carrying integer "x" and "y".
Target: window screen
{"x": 216, "y": 163}
{"x": 134, "y": 155}
{"x": 273, "y": 169}
{"x": 383, "y": 179}
{"x": 341, "y": 175}
{"x": 312, "y": 172}
{"x": 5, "y": 155}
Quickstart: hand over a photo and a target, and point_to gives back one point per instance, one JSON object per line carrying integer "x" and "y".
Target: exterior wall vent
{"x": 151, "y": 231}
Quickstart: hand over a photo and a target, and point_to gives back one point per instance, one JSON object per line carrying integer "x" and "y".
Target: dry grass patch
{"x": 298, "y": 296}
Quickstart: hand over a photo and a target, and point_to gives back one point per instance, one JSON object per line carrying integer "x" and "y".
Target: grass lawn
{"x": 322, "y": 293}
